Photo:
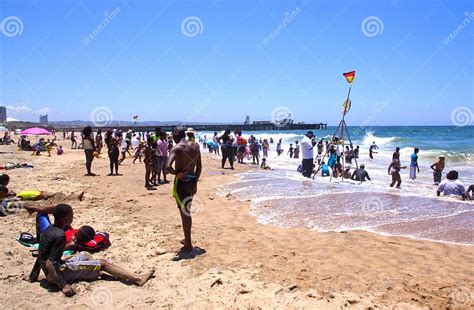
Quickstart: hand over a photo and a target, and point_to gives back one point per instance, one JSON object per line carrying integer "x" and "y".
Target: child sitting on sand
{"x": 82, "y": 267}
{"x": 4, "y": 181}
{"x": 264, "y": 164}
{"x": 60, "y": 150}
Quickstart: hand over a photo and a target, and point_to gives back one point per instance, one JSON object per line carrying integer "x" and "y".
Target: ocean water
{"x": 284, "y": 198}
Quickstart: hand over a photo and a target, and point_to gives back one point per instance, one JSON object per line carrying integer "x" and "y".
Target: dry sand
{"x": 245, "y": 264}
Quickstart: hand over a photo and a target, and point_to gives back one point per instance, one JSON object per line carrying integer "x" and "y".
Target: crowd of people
{"x": 331, "y": 158}
{"x": 162, "y": 154}
{"x": 179, "y": 154}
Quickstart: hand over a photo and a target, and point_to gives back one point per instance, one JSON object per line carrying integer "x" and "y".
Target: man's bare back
{"x": 187, "y": 159}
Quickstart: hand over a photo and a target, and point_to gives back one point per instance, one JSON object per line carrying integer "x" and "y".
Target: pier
{"x": 203, "y": 127}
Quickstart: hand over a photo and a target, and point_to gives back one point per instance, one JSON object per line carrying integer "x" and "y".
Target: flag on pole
{"x": 349, "y": 76}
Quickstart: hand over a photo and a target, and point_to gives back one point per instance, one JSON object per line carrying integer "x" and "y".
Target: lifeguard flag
{"x": 349, "y": 76}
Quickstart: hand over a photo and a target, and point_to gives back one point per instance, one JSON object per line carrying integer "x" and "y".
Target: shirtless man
{"x": 187, "y": 169}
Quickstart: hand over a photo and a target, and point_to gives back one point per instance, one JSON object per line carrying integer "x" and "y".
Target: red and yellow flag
{"x": 349, "y": 76}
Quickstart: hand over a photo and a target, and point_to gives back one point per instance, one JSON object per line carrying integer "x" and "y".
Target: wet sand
{"x": 240, "y": 263}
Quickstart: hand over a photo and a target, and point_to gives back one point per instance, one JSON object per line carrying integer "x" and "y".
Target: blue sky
{"x": 71, "y": 59}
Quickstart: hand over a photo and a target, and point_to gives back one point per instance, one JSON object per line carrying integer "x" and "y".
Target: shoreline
{"x": 257, "y": 264}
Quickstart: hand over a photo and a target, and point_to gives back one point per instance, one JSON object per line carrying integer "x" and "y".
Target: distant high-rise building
{"x": 3, "y": 114}
{"x": 44, "y": 119}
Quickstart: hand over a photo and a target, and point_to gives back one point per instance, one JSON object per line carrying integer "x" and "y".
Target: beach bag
{"x": 98, "y": 243}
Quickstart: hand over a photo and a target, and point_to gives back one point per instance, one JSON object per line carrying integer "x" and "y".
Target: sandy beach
{"x": 239, "y": 263}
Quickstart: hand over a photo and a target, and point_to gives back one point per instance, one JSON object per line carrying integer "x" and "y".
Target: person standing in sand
{"x": 226, "y": 148}
{"x": 73, "y": 140}
{"x": 186, "y": 158}
{"x": 98, "y": 141}
{"x": 89, "y": 148}
{"x": 113, "y": 151}
{"x": 148, "y": 162}
{"x": 162, "y": 156}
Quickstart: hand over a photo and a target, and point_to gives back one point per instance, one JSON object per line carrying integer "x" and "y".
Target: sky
{"x": 220, "y": 60}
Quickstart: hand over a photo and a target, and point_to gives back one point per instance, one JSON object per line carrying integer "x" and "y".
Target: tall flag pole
{"x": 347, "y": 104}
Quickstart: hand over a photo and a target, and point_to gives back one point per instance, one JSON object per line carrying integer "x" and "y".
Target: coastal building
{"x": 3, "y": 114}
{"x": 43, "y": 119}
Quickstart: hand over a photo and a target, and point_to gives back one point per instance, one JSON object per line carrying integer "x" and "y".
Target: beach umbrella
{"x": 35, "y": 131}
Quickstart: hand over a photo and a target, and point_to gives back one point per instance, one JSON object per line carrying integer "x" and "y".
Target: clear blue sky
{"x": 141, "y": 62}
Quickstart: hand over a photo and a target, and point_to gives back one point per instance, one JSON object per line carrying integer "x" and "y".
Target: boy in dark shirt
{"x": 360, "y": 174}
{"x": 81, "y": 267}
